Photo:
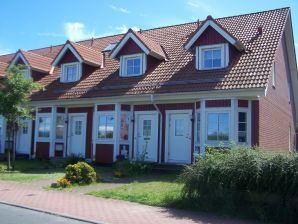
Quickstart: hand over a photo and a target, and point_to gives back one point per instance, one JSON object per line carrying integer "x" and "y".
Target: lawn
{"x": 30, "y": 170}
{"x": 155, "y": 190}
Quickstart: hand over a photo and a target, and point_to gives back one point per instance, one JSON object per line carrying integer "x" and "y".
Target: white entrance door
{"x": 178, "y": 137}
{"x": 24, "y": 137}
{"x": 146, "y": 136}
{"x": 77, "y": 134}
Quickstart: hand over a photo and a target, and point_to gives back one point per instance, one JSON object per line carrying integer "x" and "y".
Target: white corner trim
{"x": 17, "y": 57}
{"x": 62, "y": 53}
{"x": 214, "y": 26}
{"x": 123, "y": 42}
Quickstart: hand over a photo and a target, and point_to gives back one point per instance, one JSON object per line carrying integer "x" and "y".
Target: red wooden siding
{"x": 276, "y": 113}
{"x": 242, "y": 103}
{"x": 68, "y": 57}
{"x": 42, "y": 150}
{"x": 210, "y": 36}
{"x": 32, "y": 136}
{"x": 89, "y": 111}
{"x": 218, "y": 103}
{"x": 20, "y": 62}
{"x": 107, "y": 107}
{"x": 104, "y": 153}
{"x": 255, "y": 123}
{"x": 130, "y": 48}
{"x": 45, "y": 110}
{"x": 125, "y": 107}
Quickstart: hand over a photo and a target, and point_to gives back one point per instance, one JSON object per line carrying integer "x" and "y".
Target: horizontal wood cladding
{"x": 58, "y": 153}
{"x": 68, "y": 57}
{"x": 210, "y": 36}
{"x": 60, "y": 110}
{"x": 130, "y": 48}
{"x": 107, "y": 107}
{"x": 45, "y": 110}
{"x": 198, "y": 104}
{"x": 218, "y": 103}
{"x": 104, "y": 153}
{"x": 242, "y": 103}
{"x": 255, "y": 113}
{"x": 89, "y": 111}
{"x": 125, "y": 107}
{"x": 42, "y": 150}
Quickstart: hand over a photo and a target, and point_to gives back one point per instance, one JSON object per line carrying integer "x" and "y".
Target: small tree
{"x": 15, "y": 92}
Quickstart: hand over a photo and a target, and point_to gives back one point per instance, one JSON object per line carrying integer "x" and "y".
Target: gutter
{"x": 160, "y": 125}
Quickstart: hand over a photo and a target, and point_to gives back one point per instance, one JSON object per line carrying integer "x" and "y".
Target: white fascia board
{"x": 123, "y": 42}
{"x": 214, "y": 26}
{"x": 254, "y": 93}
{"x": 62, "y": 53}
{"x": 17, "y": 57}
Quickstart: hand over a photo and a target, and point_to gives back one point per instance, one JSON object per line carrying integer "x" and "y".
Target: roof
{"x": 178, "y": 74}
{"x": 151, "y": 47}
{"x": 86, "y": 53}
{"x": 3, "y": 67}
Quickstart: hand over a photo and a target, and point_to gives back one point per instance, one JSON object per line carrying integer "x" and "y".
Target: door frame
{"x": 19, "y": 133}
{"x": 136, "y": 124}
{"x": 167, "y": 127}
{"x": 69, "y": 132}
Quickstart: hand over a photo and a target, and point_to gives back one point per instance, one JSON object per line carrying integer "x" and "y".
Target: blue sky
{"x": 33, "y": 24}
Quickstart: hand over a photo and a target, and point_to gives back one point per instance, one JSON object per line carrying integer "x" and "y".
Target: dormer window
{"x": 212, "y": 56}
{"x": 26, "y": 72}
{"x": 70, "y": 72}
{"x": 132, "y": 65}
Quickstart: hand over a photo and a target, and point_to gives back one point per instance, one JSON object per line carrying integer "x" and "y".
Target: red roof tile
{"x": 178, "y": 74}
{"x": 3, "y": 67}
{"x": 37, "y": 62}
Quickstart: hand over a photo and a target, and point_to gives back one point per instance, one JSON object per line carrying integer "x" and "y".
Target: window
{"x": 25, "y": 127}
{"x": 124, "y": 128}
{"x": 218, "y": 127}
{"x": 147, "y": 128}
{"x": 70, "y": 72}
{"x": 212, "y": 56}
{"x": 106, "y": 127}
{"x": 78, "y": 127}
{"x": 131, "y": 65}
{"x": 179, "y": 127}
{"x": 242, "y": 127}
{"x": 26, "y": 73}
{"x": 44, "y": 127}
{"x": 60, "y": 124}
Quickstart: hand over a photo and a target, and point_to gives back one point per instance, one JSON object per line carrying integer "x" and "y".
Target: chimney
{"x": 260, "y": 30}
{"x": 103, "y": 63}
{"x": 92, "y": 40}
{"x": 51, "y": 49}
{"x": 198, "y": 22}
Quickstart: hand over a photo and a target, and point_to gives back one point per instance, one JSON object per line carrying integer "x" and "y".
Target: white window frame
{"x": 105, "y": 113}
{"x": 123, "y": 64}
{"x": 218, "y": 110}
{"x": 273, "y": 71}
{"x": 200, "y": 55}
{"x": 45, "y": 115}
{"x": 63, "y": 77}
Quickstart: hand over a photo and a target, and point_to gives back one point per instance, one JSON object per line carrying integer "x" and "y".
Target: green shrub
{"x": 124, "y": 168}
{"x": 80, "y": 173}
{"x": 73, "y": 159}
{"x": 63, "y": 182}
{"x": 267, "y": 184}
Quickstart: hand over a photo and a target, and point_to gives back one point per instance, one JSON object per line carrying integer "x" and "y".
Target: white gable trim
{"x": 214, "y": 26}
{"x": 123, "y": 42}
{"x": 62, "y": 53}
{"x": 17, "y": 57}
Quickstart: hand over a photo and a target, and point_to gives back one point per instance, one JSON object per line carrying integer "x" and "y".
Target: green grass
{"x": 159, "y": 190}
{"x": 30, "y": 170}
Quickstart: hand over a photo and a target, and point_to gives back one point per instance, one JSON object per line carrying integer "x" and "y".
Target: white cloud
{"x": 199, "y": 4}
{"x": 77, "y": 31}
{"x": 4, "y": 50}
{"x": 123, "y": 28}
{"x": 119, "y": 9}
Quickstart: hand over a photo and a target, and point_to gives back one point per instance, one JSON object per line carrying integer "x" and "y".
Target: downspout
{"x": 160, "y": 125}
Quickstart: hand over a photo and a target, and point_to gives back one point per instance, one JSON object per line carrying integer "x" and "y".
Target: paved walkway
{"x": 99, "y": 209}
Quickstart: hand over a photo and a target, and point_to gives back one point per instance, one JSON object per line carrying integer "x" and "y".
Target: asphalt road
{"x": 15, "y": 215}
